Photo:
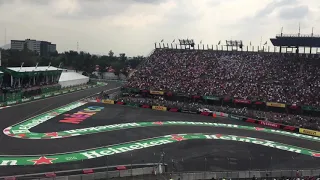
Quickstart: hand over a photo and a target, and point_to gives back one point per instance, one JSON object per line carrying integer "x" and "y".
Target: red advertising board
{"x": 205, "y": 113}
{"x": 270, "y": 124}
{"x": 145, "y": 106}
{"x": 242, "y": 101}
{"x": 174, "y": 110}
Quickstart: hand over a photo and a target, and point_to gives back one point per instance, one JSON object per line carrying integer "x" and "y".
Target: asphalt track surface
{"x": 182, "y": 156}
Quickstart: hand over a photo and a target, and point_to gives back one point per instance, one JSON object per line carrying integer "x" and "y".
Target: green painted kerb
{"x": 22, "y": 130}
{"x": 142, "y": 144}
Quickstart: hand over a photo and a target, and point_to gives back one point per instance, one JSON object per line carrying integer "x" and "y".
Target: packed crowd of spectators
{"x": 281, "y": 118}
{"x": 250, "y": 76}
{"x": 268, "y": 77}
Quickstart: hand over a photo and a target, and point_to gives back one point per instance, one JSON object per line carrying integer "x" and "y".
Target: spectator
{"x": 251, "y": 76}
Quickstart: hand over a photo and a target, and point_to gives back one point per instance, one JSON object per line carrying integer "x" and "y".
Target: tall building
{"x": 43, "y": 48}
{"x": 17, "y": 45}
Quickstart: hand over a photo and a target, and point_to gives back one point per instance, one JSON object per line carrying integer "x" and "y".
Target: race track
{"x": 212, "y": 146}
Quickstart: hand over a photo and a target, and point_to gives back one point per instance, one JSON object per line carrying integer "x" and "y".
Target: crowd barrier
{"x": 148, "y": 173}
{"x": 245, "y": 102}
{"x": 93, "y": 173}
{"x": 272, "y": 174}
{"x": 46, "y": 95}
{"x": 218, "y": 114}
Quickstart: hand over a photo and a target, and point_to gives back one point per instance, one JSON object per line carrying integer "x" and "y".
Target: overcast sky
{"x": 132, "y": 26}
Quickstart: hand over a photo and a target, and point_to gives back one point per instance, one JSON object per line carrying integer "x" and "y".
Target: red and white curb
{"x": 4, "y": 107}
{"x": 6, "y": 131}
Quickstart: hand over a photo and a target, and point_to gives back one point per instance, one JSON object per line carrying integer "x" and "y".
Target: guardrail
{"x": 95, "y": 173}
{"x": 107, "y": 80}
{"x": 151, "y": 173}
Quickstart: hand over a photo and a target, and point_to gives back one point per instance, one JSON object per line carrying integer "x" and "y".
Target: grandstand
{"x": 24, "y": 82}
{"x": 272, "y": 86}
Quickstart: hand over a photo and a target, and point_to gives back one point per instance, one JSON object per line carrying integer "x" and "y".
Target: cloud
{"x": 299, "y": 12}
{"x": 272, "y": 6}
{"x": 132, "y": 26}
{"x": 101, "y": 8}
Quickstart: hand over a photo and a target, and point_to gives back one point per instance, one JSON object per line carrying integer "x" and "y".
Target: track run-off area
{"x": 22, "y": 131}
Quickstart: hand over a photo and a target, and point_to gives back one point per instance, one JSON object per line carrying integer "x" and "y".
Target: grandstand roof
{"x": 296, "y": 41}
{"x": 34, "y": 69}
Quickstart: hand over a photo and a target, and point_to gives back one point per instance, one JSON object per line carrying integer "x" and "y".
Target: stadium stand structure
{"x": 280, "y": 87}
{"x": 296, "y": 41}
{"x": 23, "y": 82}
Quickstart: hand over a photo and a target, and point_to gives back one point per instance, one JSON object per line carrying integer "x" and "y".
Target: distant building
{"x": 43, "y": 48}
{"x": 17, "y": 45}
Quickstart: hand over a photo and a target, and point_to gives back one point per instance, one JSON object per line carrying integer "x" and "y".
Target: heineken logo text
{"x": 125, "y": 148}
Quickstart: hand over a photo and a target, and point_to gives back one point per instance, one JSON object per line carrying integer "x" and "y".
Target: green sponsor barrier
{"x": 233, "y": 117}
{"x": 46, "y": 95}
{"x": 132, "y": 105}
{"x": 143, "y": 144}
{"x": 214, "y": 98}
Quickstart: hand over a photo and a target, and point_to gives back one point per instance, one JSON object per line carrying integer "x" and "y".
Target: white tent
{"x": 68, "y": 79}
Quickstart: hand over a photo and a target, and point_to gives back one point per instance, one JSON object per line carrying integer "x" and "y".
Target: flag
{"x": 162, "y": 40}
{"x": 173, "y": 40}
{"x": 250, "y": 43}
{"x": 219, "y": 42}
{"x": 266, "y": 43}
{"x": 201, "y": 42}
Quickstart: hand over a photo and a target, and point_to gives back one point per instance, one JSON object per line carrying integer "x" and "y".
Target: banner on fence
{"x": 242, "y": 101}
{"x": 234, "y": 117}
{"x": 159, "y": 108}
{"x": 309, "y": 132}
{"x": 107, "y": 101}
{"x": 273, "y": 104}
{"x": 174, "y": 110}
{"x": 188, "y": 111}
{"x": 145, "y": 106}
{"x": 307, "y": 108}
{"x": 157, "y": 92}
{"x": 132, "y": 104}
{"x": 214, "y": 98}
{"x": 270, "y": 124}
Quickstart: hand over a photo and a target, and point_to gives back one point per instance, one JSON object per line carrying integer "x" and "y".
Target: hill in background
{"x": 7, "y": 46}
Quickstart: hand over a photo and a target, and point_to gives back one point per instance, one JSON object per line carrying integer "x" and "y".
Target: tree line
{"x": 80, "y": 61}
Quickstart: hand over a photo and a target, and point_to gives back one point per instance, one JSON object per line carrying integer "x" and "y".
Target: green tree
{"x": 81, "y": 61}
